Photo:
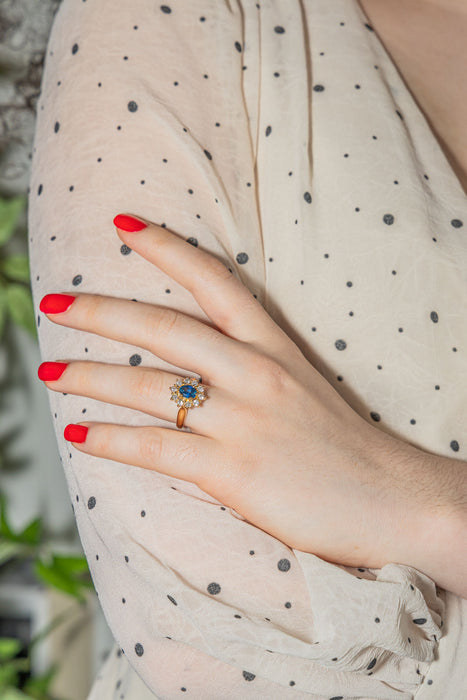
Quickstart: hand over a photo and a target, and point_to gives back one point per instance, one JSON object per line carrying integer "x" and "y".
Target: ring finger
{"x": 141, "y": 388}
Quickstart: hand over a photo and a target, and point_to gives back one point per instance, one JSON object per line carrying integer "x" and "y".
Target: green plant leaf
{"x": 14, "y": 694}
{"x": 3, "y": 309}
{"x": 16, "y": 267}
{"x": 38, "y": 686}
{"x": 9, "y": 671}
{"x": 55, "y": 578}
{"x": 5, "y": 527}
{"x": 32, "y": 532}
{"x": 9, "y": 647}
{"x": 10, "y": 211}
{"x": 20, "y": 306}
{"x": 9, "y": 549}
{"x": 69, "y": 565}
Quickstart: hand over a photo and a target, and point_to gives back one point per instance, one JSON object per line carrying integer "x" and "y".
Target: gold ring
{"x": 186, "y": 393}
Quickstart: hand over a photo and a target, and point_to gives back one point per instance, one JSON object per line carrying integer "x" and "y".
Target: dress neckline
{"x": 420, "y": 113}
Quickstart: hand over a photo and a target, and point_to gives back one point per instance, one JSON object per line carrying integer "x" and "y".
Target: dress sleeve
{"x": 160, "y": 110}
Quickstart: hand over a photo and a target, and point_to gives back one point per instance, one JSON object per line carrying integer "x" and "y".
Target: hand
{"x": 273, "y": 439}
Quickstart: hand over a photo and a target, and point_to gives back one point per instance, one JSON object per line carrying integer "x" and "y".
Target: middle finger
{"x": 172, "y": 335}
{"x": 141, "y": 388}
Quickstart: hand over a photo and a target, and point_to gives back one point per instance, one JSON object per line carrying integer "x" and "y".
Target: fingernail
{"x": 49, "y": 371}
{"x": 75, "y": 433}
{"x": 128, "y": 223}
{"x": 56, "y": 303}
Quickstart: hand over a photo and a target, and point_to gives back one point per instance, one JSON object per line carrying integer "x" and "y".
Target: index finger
{"x": 227, "y": 302}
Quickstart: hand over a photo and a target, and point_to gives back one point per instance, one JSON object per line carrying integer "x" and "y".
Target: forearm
{"x": 435, "y": 541}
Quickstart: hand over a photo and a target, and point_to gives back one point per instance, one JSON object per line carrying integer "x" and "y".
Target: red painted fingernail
{"x": 56, "y": 303}
{"x": 75, "y": 433}
{"x": 49, "y": 371}
{"x": 128, "y": 223}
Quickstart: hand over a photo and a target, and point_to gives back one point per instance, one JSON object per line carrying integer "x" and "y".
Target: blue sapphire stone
{"x": 188, "y": 391}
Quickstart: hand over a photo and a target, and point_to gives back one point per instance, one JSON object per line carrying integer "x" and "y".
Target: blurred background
{"x": 53, "y": 635}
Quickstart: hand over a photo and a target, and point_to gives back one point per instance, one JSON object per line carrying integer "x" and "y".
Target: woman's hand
{"x": 273, "y": 439}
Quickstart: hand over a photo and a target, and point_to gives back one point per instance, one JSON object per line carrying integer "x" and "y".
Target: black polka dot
{"x": 125, "y": 250}
{"x": 388, "y": 219}
{"x": 214, "y": 588}
{"x": 139, "y": 649}
{"x": 143, "y": 513}
{"x": 283, "y": 565}
{"x": 242, "y": 258}
{"x": 77, "y": 279}
{"x": 166, "y": 9}
{"x": 419, "y": 620}
{"x": 318, "y": 88}
{"x": 74, "y": 49}
{"x": 172, "y": 600}
{"x": 192, "y": 241}
{"x": 132, "y": 106}
{"x": 457, "y": 223}
{"x": 268, "y": 130}
{"x": 279, "y": 30}
{"x": 454, "y": 445}
{"x": 127, "y": 558}
{"x": 135, "y": 360}
{"x": 371, "y": 664}
{"x": 56, "y": 127}
{"x": 307, "y": 197}
{"x": 39, "y": 191}
{"x": 434, "y": 316}
{"x": 340, "y": 344}
{"x": 248, "y": 676}
{"x": 376, "y": 417}
{"x": 91, "y": 502}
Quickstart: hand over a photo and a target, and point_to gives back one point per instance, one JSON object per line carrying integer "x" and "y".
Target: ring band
{"x": 186, "y": 393}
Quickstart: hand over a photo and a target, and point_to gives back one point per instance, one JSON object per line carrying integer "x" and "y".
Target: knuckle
{"x": 146, "y": 384}
{"x": 268, "y": 372}
{"x": 150, "y": 447}
{"x": 160, "y": 322}
{"x": 215, "y": 270}
{"x": 186, "y": 454}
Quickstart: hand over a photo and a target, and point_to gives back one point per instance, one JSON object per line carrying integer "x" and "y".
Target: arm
{"x": 436, "y": 544}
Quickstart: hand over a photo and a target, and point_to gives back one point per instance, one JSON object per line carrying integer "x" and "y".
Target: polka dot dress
{"x": 280, "y": 137}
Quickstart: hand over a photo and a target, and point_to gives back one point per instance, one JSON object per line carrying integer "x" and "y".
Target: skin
{"x": 313, "y": 473}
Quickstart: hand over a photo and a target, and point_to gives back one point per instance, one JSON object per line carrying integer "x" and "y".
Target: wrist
{"x": 430, "y": 532}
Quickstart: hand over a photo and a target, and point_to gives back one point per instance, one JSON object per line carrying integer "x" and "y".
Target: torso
{"x": 428, "y": 45}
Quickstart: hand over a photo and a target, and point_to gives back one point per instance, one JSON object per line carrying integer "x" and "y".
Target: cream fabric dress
{"x": 279, "y": 136}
